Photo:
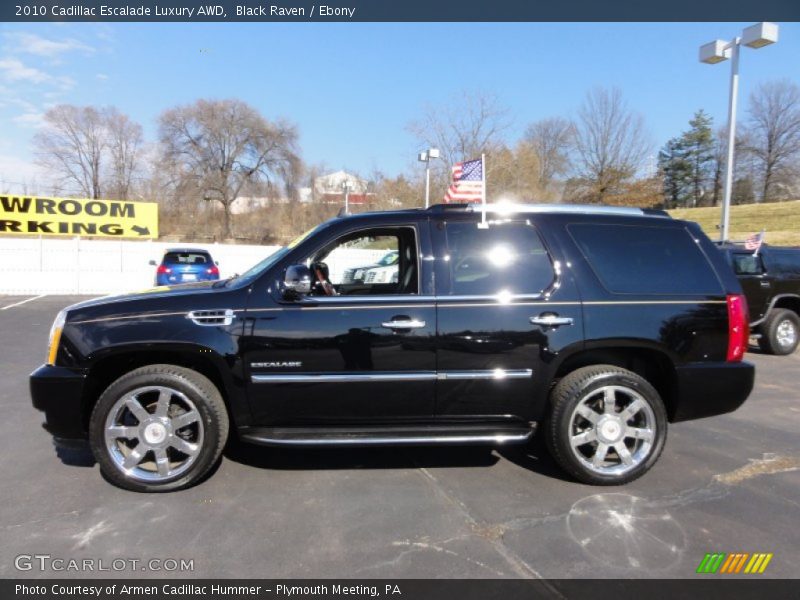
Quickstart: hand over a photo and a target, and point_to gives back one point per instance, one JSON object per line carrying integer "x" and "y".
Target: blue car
{"x": 185, "y": 265}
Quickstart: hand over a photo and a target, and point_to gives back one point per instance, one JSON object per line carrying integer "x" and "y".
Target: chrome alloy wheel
{"x": 612, "y": 430}
{"x": 153, "y": 433}
{"x": 786, "y": 333}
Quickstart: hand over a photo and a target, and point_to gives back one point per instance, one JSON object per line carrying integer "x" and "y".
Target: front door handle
{"x": 403, "y": 324}
{"x": 765, "y": 284}
{"x": 551, "y": 320}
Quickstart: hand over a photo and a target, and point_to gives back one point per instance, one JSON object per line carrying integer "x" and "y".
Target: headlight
{"x": 55, "y": 337}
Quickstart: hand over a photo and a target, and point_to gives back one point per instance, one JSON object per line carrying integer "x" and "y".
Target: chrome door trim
{"x": 486, "y": 374}
{"x": 495, "y": 374}
{"x": 343, "y": 377}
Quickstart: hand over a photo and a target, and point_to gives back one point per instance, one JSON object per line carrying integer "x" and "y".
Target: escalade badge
{"x": 277, "y": 364}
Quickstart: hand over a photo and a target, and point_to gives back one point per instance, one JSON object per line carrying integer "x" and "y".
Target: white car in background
{"x": 388, "y": 261}
{"x": 386, "y": 271}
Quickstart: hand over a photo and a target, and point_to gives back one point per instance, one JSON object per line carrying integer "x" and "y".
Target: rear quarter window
{"x": 632, "y": 259}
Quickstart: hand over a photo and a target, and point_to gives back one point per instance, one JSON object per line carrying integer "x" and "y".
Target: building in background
{"x": 328, "y": 189}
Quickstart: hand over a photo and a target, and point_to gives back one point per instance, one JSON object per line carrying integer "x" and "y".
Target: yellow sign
{"x": 28, "y": 215}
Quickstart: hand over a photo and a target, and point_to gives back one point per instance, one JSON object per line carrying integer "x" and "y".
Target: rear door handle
{"x": 551, "y": 320}
{"x": 404, "y": 324}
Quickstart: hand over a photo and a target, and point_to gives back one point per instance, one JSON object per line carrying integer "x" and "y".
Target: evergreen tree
{"x": 675, "y": 169}
{"x": 688, "y": 164}
{"x": 698, "y": 147}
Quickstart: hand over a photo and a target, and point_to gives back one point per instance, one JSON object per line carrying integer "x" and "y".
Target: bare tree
{"x": 474, "y": 124}
{"x": 216, "y": 147}
{"x": 124, "y": 145}
{"x": 552, "y": 140}
{"x": 71, "y": 145}
{"x": 774, "y": 132}
{"x": 611, "y": 143}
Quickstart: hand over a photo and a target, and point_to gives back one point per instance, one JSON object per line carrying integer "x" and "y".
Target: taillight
{"x": 738, "y": 327}
{"x": 163, "y": 270}
{"x": 213, "y": 270}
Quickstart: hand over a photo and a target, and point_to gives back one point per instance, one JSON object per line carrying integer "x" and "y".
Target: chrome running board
{"x": 433, "y": 435}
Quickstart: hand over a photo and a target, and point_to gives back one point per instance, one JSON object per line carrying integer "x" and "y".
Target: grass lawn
{"x": 781, "y": 220}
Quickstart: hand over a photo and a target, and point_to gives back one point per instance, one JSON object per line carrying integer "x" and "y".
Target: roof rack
{"x": 587, "y": 209}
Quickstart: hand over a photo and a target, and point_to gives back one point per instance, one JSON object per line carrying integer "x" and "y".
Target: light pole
{"x": 346, "y": 186}
{"x": 426, "y": 157}
{"x": 756, "y": 36}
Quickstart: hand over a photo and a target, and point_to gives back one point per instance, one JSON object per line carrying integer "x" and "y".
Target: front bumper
{"x": 708, "y": 389}
{"x": 58, "y": 392}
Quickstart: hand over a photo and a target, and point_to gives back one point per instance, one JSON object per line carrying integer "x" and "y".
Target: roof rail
{"x": 552, "y": 208}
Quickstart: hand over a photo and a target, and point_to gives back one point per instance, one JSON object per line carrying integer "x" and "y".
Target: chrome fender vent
{"x": 211, "y": 318}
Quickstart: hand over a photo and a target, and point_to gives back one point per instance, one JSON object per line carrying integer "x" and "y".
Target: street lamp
{"x": 756, "y": 36}
{"x": 347, "y": 186}
{"x": 426, "y": 157}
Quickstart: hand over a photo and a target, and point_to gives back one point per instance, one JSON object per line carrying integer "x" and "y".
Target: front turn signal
{"x": 55, "y": 337}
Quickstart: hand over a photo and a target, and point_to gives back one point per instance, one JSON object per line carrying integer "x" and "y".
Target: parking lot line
{"x": 23, "y": 302}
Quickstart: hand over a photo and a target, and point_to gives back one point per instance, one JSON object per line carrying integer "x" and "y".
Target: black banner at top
{"x": 398, "y": 10}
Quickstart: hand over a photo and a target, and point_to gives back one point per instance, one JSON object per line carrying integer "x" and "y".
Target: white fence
{"x": 75, "y": 266}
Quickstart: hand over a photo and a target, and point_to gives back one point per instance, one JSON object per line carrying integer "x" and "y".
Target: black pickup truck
{"x": 770, "y": 279}
{"x": 595, "y": 325}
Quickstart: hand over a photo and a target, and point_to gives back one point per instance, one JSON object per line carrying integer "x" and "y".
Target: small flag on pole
{"x": 468, "y": 182}
{"x": 754, "y": 242}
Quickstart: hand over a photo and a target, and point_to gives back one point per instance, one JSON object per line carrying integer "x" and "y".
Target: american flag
{"x": 467, "y": 183}
{"x": 754, "y": 241}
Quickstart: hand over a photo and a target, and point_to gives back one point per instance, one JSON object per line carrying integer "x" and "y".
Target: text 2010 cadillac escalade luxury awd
{"x": 598, "y": 326}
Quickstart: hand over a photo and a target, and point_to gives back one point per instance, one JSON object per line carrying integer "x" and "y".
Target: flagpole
{"x": 483, "y": 224}
{"x": 760, "y": 241}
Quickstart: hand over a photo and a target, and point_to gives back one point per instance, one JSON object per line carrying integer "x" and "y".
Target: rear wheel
{"x": 607, "y": 425}
{"x": 158, "y": 428}
{"x": 780, "y": 333}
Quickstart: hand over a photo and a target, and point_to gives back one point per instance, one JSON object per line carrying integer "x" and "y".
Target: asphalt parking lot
{"x": 726, "y": 484}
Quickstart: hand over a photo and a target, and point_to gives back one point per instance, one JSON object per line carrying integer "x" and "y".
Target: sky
{"x": 353, "y": 88}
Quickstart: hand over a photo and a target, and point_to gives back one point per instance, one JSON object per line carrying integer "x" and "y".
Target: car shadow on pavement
{"x": 534, "y": 457}
{"x": 75, "y": 456}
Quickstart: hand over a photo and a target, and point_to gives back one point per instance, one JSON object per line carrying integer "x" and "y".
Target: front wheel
{"x": 158, "y": 428}
{"x": 607, "y": 425}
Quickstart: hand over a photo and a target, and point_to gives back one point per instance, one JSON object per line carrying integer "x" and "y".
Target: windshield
{"x": 273, "y": 258}
{"x": 262, "y": 266}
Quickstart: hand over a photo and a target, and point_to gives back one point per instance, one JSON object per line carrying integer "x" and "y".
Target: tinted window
{"x": 645, "y": 260}
{"x": 785, "y": 261}
{"x": 187, "y": 258}
{"x": 507, "y": 257}
{"x": 747, "y": 264}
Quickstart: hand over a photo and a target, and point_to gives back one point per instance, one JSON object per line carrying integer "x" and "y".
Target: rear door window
{"x": 632, "y": 259}
{"x": 747, "y": 264}
{"x": 505, "y": 258}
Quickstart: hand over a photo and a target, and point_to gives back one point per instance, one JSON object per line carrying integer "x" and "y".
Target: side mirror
{"x": 153, "y": 263}
{"x": 297, "y": 280}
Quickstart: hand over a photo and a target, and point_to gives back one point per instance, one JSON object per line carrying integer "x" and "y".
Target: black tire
{"x": 197, "y": 389}
{"x": 774, "y": 329}
{"x": 586, "y": 384}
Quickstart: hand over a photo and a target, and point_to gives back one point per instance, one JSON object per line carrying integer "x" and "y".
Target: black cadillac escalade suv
{"x": 596, "y": 325}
